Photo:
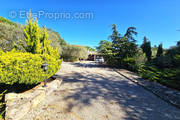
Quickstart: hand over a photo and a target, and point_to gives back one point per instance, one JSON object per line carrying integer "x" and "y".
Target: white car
{"x": 100, "y": 60}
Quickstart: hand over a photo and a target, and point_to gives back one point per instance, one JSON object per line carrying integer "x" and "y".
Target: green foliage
{"x": 122, "y": 50}
{"x": 159, "y": 51}
{"x": 115, "y": 37}
{"x": 10, "y": 36}
{"x": 105, "y": 47}
{"x": 168, "y": 77}
{"x": 90, "y": 49}
{"x": 163, "y": 62}
{"x": 57, "y": 41}
{"x": 37, "y": 41}
{"x": 129, "y": 63}
{"x": 73, "y": 53}
{"x": 177, "y": 60}
{"x": 33, "y": 36}
{"x": 156, "y": 64}
{"x": 13, "y": 36}
{"x": 140, "y": 57}
{"x": 124, "y": 46}
{"x": 146, "y": 47}
{"x": 18, "y": 67}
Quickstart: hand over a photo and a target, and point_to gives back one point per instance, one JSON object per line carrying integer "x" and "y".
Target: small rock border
{"x": 169, "y": 95}
{"x": 19, "y": 104}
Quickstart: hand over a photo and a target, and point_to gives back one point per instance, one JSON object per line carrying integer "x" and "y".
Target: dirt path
{"x": 91, "y": 92}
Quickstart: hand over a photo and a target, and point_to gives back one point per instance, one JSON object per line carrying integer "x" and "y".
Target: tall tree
{"x": 115, "y": 37}
{"x": 104, "y": 47}
{"x": 32, "y": 36}
{"x": 124, "y": 46}
{"x": 159, "y": 51}
{"x": 131, "y": 47}
{"x": 146, "y": 47}
{"x": 36, "y": 39}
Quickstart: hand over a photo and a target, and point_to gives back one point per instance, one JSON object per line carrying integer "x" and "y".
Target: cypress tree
{"x": 32, "y": 36}
{"x": 159, "y": 51}
{"x": 146, "y": 47}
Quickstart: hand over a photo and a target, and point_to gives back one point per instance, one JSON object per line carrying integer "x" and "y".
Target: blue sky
{"x": 158, "y": 20}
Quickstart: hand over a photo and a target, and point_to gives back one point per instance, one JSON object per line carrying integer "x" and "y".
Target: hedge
{"x": 25, "y": 68}
{"x": 167, "y": 76}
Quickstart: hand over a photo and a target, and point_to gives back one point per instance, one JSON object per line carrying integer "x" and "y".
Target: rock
{"x": 18, "y": 105}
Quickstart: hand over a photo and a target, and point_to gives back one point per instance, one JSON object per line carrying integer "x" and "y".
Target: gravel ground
{"x": 92, "y": 92}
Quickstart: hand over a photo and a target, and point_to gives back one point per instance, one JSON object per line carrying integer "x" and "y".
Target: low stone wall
{"x": 17, "y": 105}
{"x": 170, "y": 95}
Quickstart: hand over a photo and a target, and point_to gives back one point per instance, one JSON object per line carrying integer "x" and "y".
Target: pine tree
{"x": 115, "y": 37}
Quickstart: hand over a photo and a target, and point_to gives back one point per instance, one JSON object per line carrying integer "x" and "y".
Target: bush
{"x": 177, "y": 60}
{"x": 10, "y": 36}
{"x": 129, "y": 63}
{"x": 168, "y": 77}
{"x": 72, "y": 53}
{"x": 25, "y": 68}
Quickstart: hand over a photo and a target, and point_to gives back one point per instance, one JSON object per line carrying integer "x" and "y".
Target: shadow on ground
{"x": 91, "y": 64}
{"x": 136, "y": 102}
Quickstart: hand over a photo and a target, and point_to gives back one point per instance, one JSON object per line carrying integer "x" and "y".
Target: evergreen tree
{"x": 115, "y": 37}
{"x": 130, "y": 42}
{"x": 45, "y": 42}
{"x": 104, "y": 47}
{"x": 124, "y": 46}
{"x": 159, "y": 51}
{"x": 32, "y": 36}
{"x": 37, "y": 41}
{"x": 146, "y": 47}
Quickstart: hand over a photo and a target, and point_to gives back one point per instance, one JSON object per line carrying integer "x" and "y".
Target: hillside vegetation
{"x": 152, "y": 63}
{"x": 12, "y": 36}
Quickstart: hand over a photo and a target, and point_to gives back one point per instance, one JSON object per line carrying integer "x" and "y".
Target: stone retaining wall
{"x": 18, "y": 105}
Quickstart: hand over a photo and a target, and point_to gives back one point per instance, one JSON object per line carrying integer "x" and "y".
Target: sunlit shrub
{"x": 18, "y": 67}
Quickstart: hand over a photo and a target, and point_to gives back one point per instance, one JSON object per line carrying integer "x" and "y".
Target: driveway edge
{"x": 169, "y": 95}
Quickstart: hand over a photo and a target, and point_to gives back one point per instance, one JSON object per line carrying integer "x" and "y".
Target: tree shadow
{"x": 91, "y": 64}
{"x": 137, "y": 103}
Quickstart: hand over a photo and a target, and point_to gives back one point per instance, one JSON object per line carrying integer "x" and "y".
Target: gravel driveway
{"x": 91, "y": 92}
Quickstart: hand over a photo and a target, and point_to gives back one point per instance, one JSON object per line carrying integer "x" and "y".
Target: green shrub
{"x": 25, "y": 68}
{"x": 177, "y": 60}
{"x": 129, "y": 63}
{"x": 72, "y": 53}
{"x": 168, "y": 77}
{"x": 10, "y": 36}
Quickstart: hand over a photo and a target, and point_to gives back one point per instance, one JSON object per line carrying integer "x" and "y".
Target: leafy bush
{"x": 163, "y": 62}
{"x": 168, "y": 77}
{"x": 177, "y": 60}
{"x": 9, "y": 36}
{"x": 18, "y": 67}
{"x": 57, "y": 41}
{"x": 72, "y": 53}
{"x": 129, "y": 63}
